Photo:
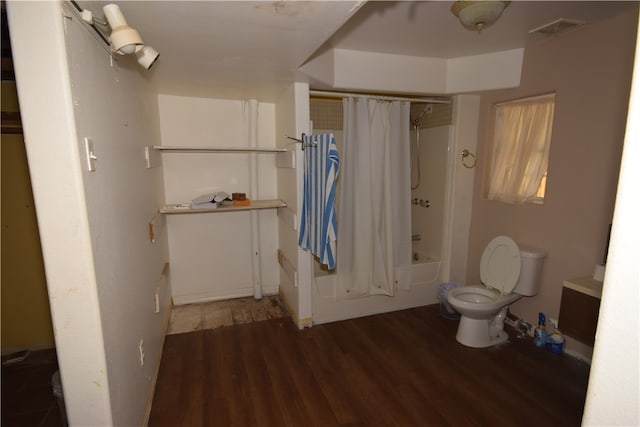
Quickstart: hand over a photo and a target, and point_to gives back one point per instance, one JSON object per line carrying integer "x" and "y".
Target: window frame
{"x": 492, "y": 146}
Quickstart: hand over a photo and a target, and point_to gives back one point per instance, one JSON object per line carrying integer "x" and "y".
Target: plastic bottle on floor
{"x": 540, "y": 333}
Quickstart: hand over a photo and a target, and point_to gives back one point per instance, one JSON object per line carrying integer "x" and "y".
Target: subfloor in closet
{"x": 212, "y": 315}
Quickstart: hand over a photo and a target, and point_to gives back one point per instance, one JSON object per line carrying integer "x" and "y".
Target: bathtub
{"x": 425, "y": 277}
{"x": 424, "y": 271}
{"x": 424, "y": 268}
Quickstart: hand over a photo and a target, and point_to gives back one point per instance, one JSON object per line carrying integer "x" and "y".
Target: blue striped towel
{"x": 318, "y": 219}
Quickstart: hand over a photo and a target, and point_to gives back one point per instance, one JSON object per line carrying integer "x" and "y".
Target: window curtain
{"x": 521, "y": 144}
{"x": 374, "y": 216}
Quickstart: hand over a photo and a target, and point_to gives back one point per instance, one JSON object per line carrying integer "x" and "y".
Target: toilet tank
{"x": 530, "y": 271}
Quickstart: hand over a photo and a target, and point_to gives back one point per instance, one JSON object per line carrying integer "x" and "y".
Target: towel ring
{"x": 466, "y": 153}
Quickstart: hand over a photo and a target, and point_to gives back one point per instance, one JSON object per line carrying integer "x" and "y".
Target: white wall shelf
{"x": 185, "y": 208}
{"x": 192, "y": 149}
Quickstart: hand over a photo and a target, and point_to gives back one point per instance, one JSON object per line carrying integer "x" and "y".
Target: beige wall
{"x": 293, "y": 118}
{"x": 590, "y": 71}
{"x": 103, "y": 272}
{"x": 26, "y": 318}
{"x": 200, "y": 270}
{"x": 428, "y": 222}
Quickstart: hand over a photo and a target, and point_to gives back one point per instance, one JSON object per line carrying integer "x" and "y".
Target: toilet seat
{"x": 500, "y": 265}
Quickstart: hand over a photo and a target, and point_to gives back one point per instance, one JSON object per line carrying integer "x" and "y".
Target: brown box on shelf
{"x": 244, "y": 202}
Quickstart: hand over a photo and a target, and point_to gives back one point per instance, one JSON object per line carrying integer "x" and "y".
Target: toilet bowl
{"x": 507, "y": 272}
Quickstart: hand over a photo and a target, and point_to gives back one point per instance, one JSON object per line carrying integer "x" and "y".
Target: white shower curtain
{"x": 374, "y": 210}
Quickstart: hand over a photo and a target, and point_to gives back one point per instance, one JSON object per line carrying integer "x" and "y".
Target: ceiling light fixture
{"x": 124, "y": 39}
{"x": 478, "y": 15}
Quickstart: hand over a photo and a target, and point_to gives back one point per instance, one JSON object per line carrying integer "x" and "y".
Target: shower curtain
{"x": 374, "y": 209}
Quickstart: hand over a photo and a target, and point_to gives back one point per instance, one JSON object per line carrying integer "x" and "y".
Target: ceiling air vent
{"x": 557, "y": 26}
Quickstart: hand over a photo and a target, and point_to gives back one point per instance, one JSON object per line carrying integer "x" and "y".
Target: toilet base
{"x": 478, "y": 334}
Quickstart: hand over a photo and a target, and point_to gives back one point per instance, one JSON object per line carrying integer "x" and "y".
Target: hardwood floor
{"x": 403, "y": 368}
{"x": 27, "y": 393}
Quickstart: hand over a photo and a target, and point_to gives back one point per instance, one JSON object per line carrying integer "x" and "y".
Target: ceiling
{"x": 428, "y": 28}
{"x": 238, "y": 49}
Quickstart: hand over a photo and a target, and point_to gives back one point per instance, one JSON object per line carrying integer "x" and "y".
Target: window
{"x": 522, "y": 136}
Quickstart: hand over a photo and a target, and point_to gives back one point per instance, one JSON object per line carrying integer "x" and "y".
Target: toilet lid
{"x": 500, "y": 264}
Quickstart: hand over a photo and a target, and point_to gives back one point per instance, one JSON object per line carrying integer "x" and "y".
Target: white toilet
{"x": 508, "y": 273}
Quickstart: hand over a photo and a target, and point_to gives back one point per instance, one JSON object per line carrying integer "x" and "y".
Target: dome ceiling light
{"x": 478, "y": 15}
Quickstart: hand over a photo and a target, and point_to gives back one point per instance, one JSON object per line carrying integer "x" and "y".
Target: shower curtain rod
{"x": 381, "y": 97}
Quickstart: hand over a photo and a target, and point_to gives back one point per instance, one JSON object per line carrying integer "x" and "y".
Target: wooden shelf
{"x": 185, "y": 208}
{"x": 191, "y": 149}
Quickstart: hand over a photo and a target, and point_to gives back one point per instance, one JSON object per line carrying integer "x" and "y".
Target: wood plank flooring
{"x": 397, "y": 369}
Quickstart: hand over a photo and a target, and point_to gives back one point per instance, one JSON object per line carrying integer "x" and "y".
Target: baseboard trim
{"x": 156, "y": 369}
{"x": 210, "y": 297}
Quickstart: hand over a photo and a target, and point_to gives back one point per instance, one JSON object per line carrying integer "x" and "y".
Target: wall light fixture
{"x": 124, "y": 39}
{"x": 147, "y": 56}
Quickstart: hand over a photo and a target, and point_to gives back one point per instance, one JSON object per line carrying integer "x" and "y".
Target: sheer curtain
{"x": 521, "y": 148}
{"x": 374, "y": 216}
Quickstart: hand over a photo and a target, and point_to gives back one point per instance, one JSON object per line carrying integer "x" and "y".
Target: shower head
{"x": 416, "y": 122}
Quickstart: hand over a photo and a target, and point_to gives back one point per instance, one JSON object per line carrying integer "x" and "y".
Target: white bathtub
{"x": 424, "y": 284}
{"x": 424, "y": 271}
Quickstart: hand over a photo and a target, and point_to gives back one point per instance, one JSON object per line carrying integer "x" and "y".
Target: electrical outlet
{"x": 141, "y": 348}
